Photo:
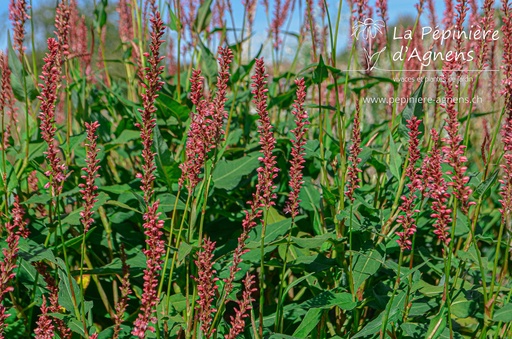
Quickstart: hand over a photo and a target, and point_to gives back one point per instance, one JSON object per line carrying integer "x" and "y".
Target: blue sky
{"x": 396, "y": 9}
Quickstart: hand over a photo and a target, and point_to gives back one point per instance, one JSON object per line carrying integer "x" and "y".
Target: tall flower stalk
{"x": 297, "y": 161}
{"x": 53, "y": 298}
{"x": 264, "y": 196}
{"x": 354, "y": 160}
{"x": 206, "y": 287}
{"x": 155, "y": 246}
{"x": 125, "y": 292}
{"x": 51, "y": 76}
{"x": 436, "y": 188}
{"x": 15, "y": 229}
{"x": 89, "y": 195}
{"x": 18, "y": 14}
{"x": 296, "y": 180}
{"x": 244, "y": 306}
{"x": 406, "y": 220}
{"x": 45, "y": 328}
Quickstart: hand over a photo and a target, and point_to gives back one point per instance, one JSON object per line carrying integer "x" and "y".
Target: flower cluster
{"x": 18, "y": 14}
{"x": 407, "y": 207}
{"x": 454, "y": 150}
{"x": 63, "y": 331}
{"x": 487, "y": 23}
{"x": 506, "y": 131}
{"x": 62, "y": 27}
{"x": 125, "y": 21}
{"x": 155, "y": 246}
{"x": 244, "y": 306}
{"x": 297, "y": 161}
{"x": 507, "y": 50}
{"x": 280, "y": 14}
{"x": 353, "y": 170}
{"x": 125, "y": 292}
{"x": 206, "y": 286}
{"x": 250, "y": 9}
{"x": 206, "y": 122}
{"x": 152, "y": 85}
{"x": 265, "y": 187}
{"x": 264, "y": 195}
{"x": 78, "y": 37}
{"x": 51, "y": 77}
{"x": 154, "y": 252}
{"x": 15, "y": 229}
{"x": 88, "y": 189}
{"x": 219, "y": 112}
{"x": 436, "y": 188}
{"x": 5, "y": 99}
{"x": 45, "y": 328}
{"x": 506, "y": 180}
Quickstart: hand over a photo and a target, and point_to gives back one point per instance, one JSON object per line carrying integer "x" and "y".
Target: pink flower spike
{"x": 51, "y": 75}
{"x": 244, "y": 307}
{"x": 18, "y": 14}
{"x": 407, "y": 207}
{"x": 44, "y": 329}
{"x": 88, "y": 189}
{"x": 15, "y": 229}
{"x": 353, "y": 170}
{"x": 155, "y": 246}
{"x": 297, "y": 153}
{"x": 265, "y": 187}
{"x": 206, "y": 286}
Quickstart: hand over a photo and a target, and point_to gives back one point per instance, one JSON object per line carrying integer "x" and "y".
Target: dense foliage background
{"x": 163, "y": 175}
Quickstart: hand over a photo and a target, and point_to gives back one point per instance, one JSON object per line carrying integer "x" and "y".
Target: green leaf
{"x": 395, "y": 161}
{"x": 462, "y": 306}
{"x": 76, "y": 326}
{"x": 208, "y": 62}
{"x": 163, "y": 159}
{"x": 183, "y": 250}
{"x": 309, "y": 322}
{"x": 328, "y": 299}
{"x": 273, "y": 231}
{"x": 314, "y": 242}
{"x": 228, "y": 173}
{"x": 414, "y": 107}
{"x": 320, "y": 72}
{"x": 75, "y": 241}
{"x": 164, "y": 101}
{"x": 309, "y": 196}
{"x": 32, "y": 251}
{"x": 167, "y": 202}
{"x": 314, "y": 263}
{"x": 126, "y": 136}
{"x": 204, "y": 16}
{"x": 462, "y": 225}
{"x": 100, "y": 15}
{"x": 365, "y": 264}
{"x": 374, "y": 326}
{"x": 116, "y": 189}
{"x": 20, "y": 81}
{"x": 122, "y": 205}
{"x": 371, "y": 329}
{"x": 437, "y": 325}
{"x": 173, "y": 20}
{"x": 484, "y": 186}
{"x": 67, "y": 289}
{"x": 503, "y": 314}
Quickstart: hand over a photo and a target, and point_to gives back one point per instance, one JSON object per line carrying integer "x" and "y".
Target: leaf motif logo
{"x": 368, "y": 30}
